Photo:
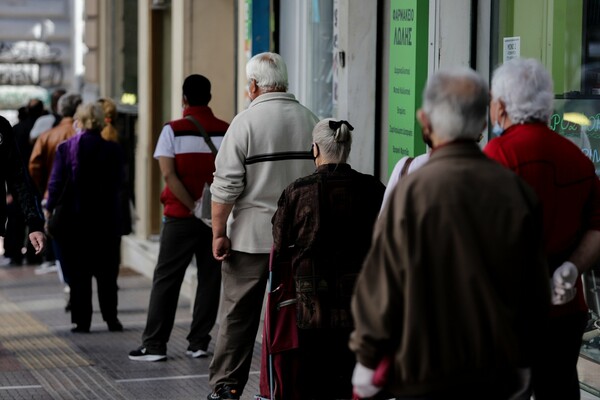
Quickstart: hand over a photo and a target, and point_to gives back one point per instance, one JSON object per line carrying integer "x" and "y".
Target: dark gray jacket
{"x": 14, "y": 176}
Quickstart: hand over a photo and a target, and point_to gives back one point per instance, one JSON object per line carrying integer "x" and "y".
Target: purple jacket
{"x": 94, "y": 168}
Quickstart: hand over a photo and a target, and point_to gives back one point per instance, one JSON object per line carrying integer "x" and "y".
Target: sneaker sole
{"x": 197, "y": 353}
{"x": 148, "y": 357}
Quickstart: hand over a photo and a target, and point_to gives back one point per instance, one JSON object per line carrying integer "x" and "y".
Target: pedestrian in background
{"x": 86, "y": 181}
{"x": 187, "y": 164}
{"x": 264, "y": 150}
{"x": 322, "y": 231}
{"x": 109, "y": 132}
{"x": 42, "y": 159}
{"x": 565, "y": 181}
{"x": 16, "y": 245}
{"x": 44, "y": 150}
{"x": 14, "y": 176}
{"x": 50, "y": 119}
{"x": 454, "y": 287}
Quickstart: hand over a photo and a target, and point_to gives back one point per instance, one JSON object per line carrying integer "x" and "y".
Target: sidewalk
{"x": 41, "y": 359}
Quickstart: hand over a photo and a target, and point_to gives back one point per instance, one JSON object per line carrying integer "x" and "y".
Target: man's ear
{"x": 253, "y": 87}
{"x": 423, "y": 121}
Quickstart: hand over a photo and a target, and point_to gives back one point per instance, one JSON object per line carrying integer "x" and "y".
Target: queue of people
{"x": 74, "y": 169}
{"x": 436, "y": 289}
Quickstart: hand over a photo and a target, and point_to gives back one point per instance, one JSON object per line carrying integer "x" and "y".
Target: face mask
{"x": 497, "y": 129}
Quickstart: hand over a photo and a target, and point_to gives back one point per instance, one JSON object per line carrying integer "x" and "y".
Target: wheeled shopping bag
{"x": 279, "y": 361}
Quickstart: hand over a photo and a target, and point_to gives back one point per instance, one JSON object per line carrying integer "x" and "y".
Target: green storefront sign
{"x": 409, "y": 26}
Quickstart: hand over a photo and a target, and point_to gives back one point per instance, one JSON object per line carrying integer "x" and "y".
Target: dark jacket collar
{"x": 329, "y": 168}
{"x": 459, "y": 148}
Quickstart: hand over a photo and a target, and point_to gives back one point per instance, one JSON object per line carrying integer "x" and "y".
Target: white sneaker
{"x": 46, "y": 268}
{"x": 196, "y": 353}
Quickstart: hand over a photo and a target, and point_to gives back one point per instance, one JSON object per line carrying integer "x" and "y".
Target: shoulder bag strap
{"x": 203, "y": 132}
{"x": 404, "y": 169}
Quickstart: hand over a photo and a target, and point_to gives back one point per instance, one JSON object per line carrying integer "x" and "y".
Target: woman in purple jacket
{"x": 86, "y": 180}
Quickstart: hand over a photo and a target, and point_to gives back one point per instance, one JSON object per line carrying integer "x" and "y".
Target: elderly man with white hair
{"x": 566, "y": 183}
{"x": 265, "y": 149}
{"x": 455, "y": 280}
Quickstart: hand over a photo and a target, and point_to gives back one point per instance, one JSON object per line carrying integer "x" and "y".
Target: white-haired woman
{"x": 565, "y": 181}
{"x": 85, "y": 182}
{"x": 322, "y": 231}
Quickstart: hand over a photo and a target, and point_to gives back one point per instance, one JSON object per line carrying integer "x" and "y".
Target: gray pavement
{"x": 40, "y": 358}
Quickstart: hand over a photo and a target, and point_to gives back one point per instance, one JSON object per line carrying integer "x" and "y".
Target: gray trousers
{"x": 245, "y": 278}
{"x": 180, "y": 240}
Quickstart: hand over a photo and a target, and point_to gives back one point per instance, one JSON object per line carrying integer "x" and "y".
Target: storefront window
{"x": 306, "y": 36}
{"x": 565, "y": 36}
{"x": 321, "y": 72}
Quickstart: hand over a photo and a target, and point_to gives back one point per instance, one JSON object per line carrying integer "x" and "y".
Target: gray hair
{"x": 335, "y": 144}
{"x": 455, "y": 101}
{"x": 68, "y": 103}
{"x": 525, "y": 88}
{"x": 90, "y": 116}
{"x": 269, "y": 71}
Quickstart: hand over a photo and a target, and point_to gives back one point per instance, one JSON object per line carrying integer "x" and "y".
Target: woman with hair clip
{"x": 322, "y": 231}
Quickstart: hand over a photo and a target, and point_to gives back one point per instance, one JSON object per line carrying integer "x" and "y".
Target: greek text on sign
{"x": 512, "y": 48}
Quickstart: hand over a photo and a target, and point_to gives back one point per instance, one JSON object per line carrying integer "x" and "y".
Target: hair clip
{"x": 335, "y": 125}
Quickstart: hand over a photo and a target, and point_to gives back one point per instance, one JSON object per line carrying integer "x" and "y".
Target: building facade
{"x": 38, "y": 42}
{"x": 362, "y": 61}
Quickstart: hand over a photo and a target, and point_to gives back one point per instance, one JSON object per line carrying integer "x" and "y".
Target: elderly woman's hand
{"x": 38, "y": 240}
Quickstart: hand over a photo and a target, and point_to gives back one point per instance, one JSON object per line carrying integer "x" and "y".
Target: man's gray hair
{"x": 455, "y": 101}
{"x": 269, "y": 71}
{"x": 525, "y": 88}
{"x": 68, "y": 103}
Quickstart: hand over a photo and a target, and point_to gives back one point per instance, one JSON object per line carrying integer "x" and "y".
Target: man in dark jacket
{"x": 455, "y": 282}
{"x": 14, "y": 176}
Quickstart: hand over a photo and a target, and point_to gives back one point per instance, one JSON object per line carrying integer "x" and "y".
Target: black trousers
{"x": 180, "y": 240}
{"x": 14, "y": 238}
{"x": 82, "y": 265}
{"x": 554, "y": 374}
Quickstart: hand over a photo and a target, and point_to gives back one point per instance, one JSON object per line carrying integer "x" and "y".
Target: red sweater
{"x": 564, "y": 180}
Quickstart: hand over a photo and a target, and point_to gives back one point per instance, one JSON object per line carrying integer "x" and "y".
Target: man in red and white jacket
{"x": 187, "y": 164}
